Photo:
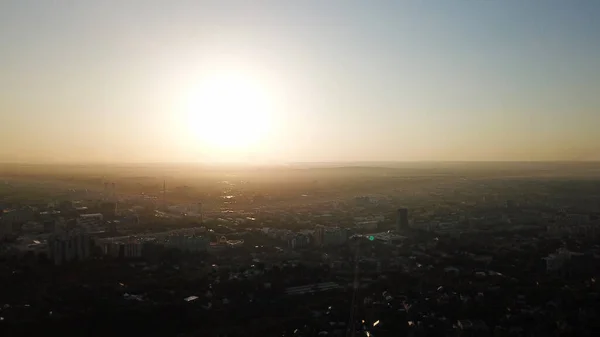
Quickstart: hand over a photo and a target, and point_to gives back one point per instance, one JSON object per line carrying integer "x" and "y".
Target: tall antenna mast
{"x": 114, "y": 196}
{"x": 105, "y": 191}
{"x": 165, "y": 193}
{"x": 200, "y": 211}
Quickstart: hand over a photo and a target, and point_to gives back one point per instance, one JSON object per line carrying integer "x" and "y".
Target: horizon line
{"x": 241, "y": 163}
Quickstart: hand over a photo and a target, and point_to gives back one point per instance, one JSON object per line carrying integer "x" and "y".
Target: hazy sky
{"x": 350, "y": 80}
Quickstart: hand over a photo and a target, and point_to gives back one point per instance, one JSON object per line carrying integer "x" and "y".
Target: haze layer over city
{"x": 299, "y": 168}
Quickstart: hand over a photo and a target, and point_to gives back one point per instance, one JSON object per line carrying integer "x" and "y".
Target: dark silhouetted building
{"x": 112, "y": 226}
{"x": 108, "y": 210}
{"x": 319, "y": 235}
{"x": 402, "y": 219}
{"x": 49, "y": 225}
{"x": 66, "y": 205}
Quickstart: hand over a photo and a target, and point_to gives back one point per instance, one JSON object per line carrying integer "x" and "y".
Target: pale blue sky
{"x": 352, "y": 80}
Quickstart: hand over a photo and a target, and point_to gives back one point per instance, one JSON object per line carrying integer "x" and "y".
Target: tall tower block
{"x": 402, "y": 219}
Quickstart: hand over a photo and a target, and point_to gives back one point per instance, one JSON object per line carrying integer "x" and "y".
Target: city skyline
{"x": 278, "y": 82}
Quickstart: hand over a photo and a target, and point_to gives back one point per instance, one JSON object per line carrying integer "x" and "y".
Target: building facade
{"x": 67, "y": 247}
{"x": 402, "y": 219}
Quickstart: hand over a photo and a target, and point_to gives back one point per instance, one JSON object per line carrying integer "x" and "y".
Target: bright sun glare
{"x": 229, "y": 112}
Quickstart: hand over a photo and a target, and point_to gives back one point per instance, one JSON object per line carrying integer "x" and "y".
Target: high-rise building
{"x": 5, "y": 228}
{"x": 319, "y": 235}
{"x": 298, "y": 241}
{"x": 67, "y": 247}
{"x": 330, "y": 236}
{"x": 49, "y": 225}
{"x": 108, "y": 210}
{"x": 402, "y": 219}
{"x": 132, "y": 249}
{"x": 14, "y": 217}
{"x": 335, "y": 236}
{"x": 111, "y": 226}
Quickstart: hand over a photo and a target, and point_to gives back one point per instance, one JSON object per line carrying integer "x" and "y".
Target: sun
{"x": 229, "y": 112}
